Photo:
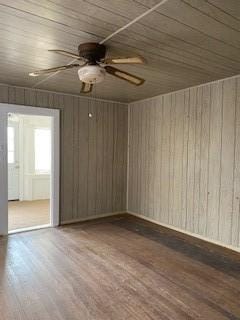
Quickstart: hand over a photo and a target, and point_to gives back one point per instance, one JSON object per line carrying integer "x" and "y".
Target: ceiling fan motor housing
{"x": 91, "y": 74}
{"x": 92, "y": 51}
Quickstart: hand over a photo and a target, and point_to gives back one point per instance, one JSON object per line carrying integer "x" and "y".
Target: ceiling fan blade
{"x": 124, "y": 75}
{"x": 124, "y": 60}
{"x": 67, "y": 53}
{"x": 86, "y": 87}
{"x": 52, "y": 70}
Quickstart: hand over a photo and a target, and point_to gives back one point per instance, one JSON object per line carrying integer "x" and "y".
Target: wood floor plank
{"x": 116, "y": 268}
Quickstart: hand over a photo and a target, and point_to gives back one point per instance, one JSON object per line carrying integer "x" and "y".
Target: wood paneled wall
{"x": 93, "y": 150}
{"x": 184, "y": 156}
{"x": 184, "y": 160}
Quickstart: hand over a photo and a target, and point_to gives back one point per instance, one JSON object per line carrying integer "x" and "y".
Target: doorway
{"x": 29, "y": 168}
{"x": 29, "y": 171}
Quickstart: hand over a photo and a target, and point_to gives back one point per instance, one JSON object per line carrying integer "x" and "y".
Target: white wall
{"x": 32, "y": 186}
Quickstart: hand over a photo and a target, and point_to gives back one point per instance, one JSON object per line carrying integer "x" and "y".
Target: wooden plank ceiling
{"x": 185, "y": 42}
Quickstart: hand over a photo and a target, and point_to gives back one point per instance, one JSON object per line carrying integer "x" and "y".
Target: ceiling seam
{"x": 109, "y": 37}
{"x": 212, "y": 82}
{"x": 64, "y": 94}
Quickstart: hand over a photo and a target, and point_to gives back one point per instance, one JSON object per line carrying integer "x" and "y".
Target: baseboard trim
{"x": 104, "y": 215}
{"x": 141, "y": 216}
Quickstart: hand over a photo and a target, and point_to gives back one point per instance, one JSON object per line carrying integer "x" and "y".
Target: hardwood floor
{"x": 116, "y": 268}
{"x": 24, "y": 214}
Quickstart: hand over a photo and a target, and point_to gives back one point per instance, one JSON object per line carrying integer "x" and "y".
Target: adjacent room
{"x": 120, "y": 160}
{"x": 29, "y": 171}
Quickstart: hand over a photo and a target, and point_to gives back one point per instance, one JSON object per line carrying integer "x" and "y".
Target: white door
{"x": 13, "y": 161}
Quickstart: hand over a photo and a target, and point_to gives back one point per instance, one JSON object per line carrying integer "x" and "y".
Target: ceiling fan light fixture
{"x": 91, "y": 74}
{"x": 94, "y": 66}
{"x": 33, "y": 74}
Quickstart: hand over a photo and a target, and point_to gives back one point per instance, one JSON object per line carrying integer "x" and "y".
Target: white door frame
{"x": 55, "y": 169}
{"x": 12, "y": 166}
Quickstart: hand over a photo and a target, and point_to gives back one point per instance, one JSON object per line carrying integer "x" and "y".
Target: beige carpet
{"x": 24, "y": 214}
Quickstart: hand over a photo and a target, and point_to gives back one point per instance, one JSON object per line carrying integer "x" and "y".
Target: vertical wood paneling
{"x": 189, "y": 154}
{"x": 152, "y": 164}
{"x": 110, "y": 146}
{"x": 146, "y": 155}
{"x": 178, "y": 168}
{"x": 138, "y": 153}
{"x": 214, "y": 179}
{"x": 19, "y": 96}
{"x": 4, "y": 93}
{"x": 75, "y": 160}
{"x": 197, "y": 160}
{"x": 83, "y": 154}
{"x": 154, "y": 147}
{"x": 191, "y": 157}
{"x": 227, "y": 159}
{"x": 142, "y": 154}
{"x": 41, "y": 99}
{"x": 12, "y": 95}
{"x": 204, "y": 163}
{"x": 171, "y": 195}
{"x": 140, "y": 129}
{"x": 157, "y": 188}
{"x": 93, "y": 150}
{"x": 97, "y": 158}
{"x": 134, "y": 170}
{"x": 120, "y": 137}
{"x": 165, "y": 157}
{"x": 185, "y": 158}
{"x": 30, "y": 97}
{"x": 103, "y": 152}
{"x": 147, "y": 159}
{"x": 67, "y": 166}
{"x": 236, "y": 188}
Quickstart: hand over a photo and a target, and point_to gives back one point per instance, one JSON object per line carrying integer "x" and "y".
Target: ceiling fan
{"x": 94, "y": 66}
